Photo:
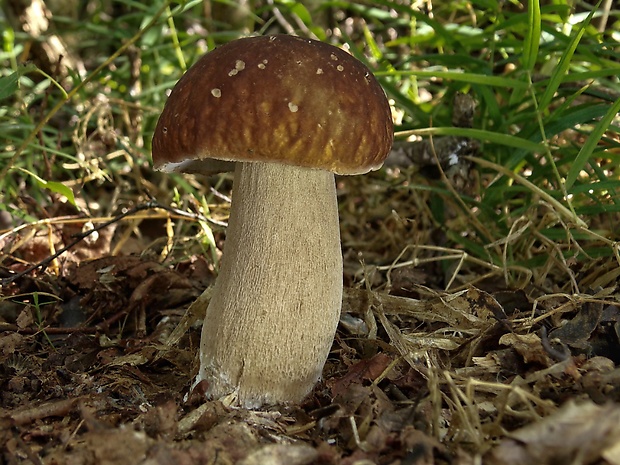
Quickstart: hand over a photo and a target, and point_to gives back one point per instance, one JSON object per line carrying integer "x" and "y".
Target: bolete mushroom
{"x": 289, "y": 112}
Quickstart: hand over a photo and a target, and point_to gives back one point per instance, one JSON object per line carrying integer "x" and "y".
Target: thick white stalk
{"x": 276, "y": 303}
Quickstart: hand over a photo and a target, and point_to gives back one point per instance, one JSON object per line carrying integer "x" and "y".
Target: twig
{"x": 281, "y": 19}
{"x": 557, "y": 355}
{"x": 48, "y": 409}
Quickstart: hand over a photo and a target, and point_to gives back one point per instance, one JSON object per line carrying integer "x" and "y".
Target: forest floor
{"x": 98, "y": 351}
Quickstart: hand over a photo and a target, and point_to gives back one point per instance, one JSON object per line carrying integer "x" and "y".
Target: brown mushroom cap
{"x": 276, "y": 99}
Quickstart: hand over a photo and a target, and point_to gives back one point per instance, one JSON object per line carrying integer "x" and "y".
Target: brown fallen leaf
{"x": 364, "y": 370}
{"x": 581, "y": 433}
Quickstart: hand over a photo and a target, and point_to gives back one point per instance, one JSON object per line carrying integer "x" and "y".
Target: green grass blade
{"x": 471, "y": 78}
{"x": 560, "y": 70}
{"x": 588, "y": 148}
{"x": 532, "y": 39}
{"x": 53, "y": 186}
{"x": 478, "y": 134}
{"x": 559, "y": 208}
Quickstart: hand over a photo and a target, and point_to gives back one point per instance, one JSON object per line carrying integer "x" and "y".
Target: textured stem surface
{"x": 276, "y": 304}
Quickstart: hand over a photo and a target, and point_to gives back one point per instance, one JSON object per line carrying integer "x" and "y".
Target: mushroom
{"x": 289, "y": 113}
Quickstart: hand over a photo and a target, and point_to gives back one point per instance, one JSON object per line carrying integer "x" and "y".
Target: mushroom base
{"x": 276, "y": 304}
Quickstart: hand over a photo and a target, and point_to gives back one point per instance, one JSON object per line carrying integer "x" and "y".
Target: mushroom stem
{"x": 269, "y": 327}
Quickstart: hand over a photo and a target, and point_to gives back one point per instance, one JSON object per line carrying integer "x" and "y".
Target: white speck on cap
{"x": 239, "y": 66}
